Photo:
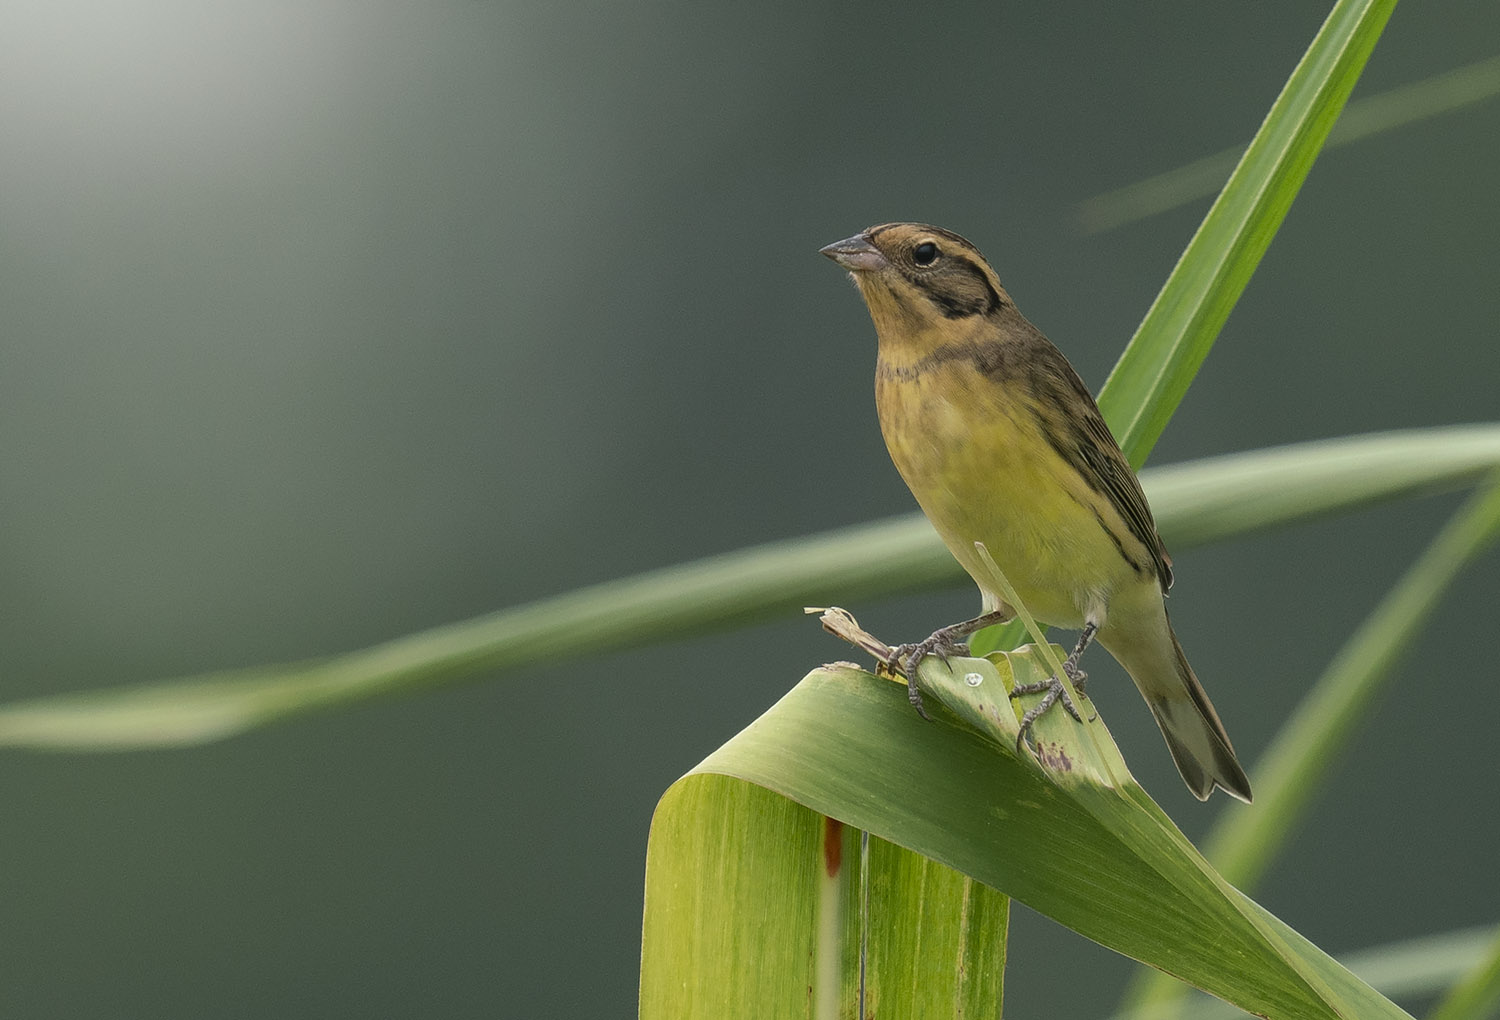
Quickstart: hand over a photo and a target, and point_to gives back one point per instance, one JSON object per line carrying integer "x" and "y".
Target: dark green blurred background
{"x": 323, "y": 323}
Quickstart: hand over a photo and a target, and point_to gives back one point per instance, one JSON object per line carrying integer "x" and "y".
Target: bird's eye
{"x": 925, "y": 254}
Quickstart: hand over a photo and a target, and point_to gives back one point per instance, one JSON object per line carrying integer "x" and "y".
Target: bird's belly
{"x": 986, "y": 473}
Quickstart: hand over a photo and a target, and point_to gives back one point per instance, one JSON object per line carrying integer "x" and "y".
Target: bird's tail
{"x": 1194, "y": 734}
{"x": 1153, "y": 657}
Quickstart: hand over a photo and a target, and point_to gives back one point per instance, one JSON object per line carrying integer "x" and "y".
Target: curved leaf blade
{"x": 756, "y": 906}
{"x": 1099, "y": 857}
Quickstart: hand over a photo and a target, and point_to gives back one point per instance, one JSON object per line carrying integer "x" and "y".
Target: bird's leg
{"x": 1053, "y": 688}
{"x": 1070, "y": 667}
{"x": 943, "y": 642}
{"x": 1070, "y": 664}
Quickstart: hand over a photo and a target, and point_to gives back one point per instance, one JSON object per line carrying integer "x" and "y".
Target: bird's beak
{"x": 855, "y": 254}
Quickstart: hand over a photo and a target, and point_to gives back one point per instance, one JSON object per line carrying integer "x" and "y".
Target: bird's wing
{"x": 1090, "y": 448}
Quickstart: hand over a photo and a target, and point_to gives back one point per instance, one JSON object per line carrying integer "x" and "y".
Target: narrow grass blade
{"x": 1474, "y": 997}
{"x": 1213, "y": 499}
{"x": 1290, "y": 771}
{"x": 1243, "y": 844}
{"x": 1362, "y": 118}
{"x": 1152, "y": 375}
{"x": 1426, "y": 964}
{"x": 1411, "y": 968}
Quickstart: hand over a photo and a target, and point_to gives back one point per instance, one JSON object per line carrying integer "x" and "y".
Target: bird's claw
{"x": 1052, "y": 691}
{"x": 940, "y": 643}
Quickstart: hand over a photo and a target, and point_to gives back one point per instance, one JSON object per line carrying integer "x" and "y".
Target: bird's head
{"x": 920, "y": 279}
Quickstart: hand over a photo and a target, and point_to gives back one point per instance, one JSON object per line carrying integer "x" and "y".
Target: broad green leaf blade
{"x": 757, "y": 907}
{"x": 936, "y": 938}
{"x": 1362, "y": 118}
{"x": 1203, "y": 501}
{"x": 710, "y": 887}
{"x": 1097, "y": 856}
{"x": 1294, "y": 767}
{"x": 1153, "y": 374}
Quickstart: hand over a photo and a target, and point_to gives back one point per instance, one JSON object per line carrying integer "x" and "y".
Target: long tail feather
{"x": 1194, "y": 734}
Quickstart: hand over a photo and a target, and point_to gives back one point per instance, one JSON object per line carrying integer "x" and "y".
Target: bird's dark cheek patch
{"x": 959, "y": 293}
{"x": 958, "y": 306}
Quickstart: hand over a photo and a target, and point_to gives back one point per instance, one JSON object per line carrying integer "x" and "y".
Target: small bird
{"x": 1002, "y": 444}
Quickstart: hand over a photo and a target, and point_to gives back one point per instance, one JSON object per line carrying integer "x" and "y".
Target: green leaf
{"x": 1199, "y": 502}
{"x": 1153, "y": 374}
{"x": 1076, "y": 839}
{"x": 757, "y": 907}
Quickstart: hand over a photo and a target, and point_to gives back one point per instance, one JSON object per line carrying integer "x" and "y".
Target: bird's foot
{"x": 947, "y": 641}
{"x": 1052, "y": 691}
{"x": 1052, "y": 686}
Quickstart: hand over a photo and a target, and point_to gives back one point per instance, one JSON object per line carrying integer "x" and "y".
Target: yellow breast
{"x": 974, "y": 453}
